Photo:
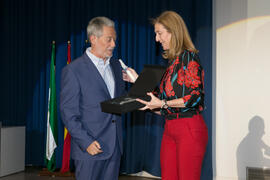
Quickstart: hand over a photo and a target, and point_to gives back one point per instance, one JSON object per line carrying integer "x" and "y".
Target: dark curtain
{"x": 27, "y": 29}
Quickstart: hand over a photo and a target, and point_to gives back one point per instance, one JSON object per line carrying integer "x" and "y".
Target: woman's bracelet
{"x": 164, "y": 104}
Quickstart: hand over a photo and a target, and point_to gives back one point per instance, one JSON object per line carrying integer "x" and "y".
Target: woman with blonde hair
{"x": 180, "y": 98}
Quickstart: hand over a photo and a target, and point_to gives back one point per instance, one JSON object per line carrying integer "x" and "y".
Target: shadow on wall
{"x": 252, "y": 151}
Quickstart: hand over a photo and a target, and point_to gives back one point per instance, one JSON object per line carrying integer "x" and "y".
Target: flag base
{"x": 56, "y": 173}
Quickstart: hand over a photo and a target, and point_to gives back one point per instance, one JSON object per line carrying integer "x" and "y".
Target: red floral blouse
{"x": 184, "y": 78}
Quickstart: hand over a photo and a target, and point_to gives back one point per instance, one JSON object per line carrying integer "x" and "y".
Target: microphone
{"x": 125, "y": 68}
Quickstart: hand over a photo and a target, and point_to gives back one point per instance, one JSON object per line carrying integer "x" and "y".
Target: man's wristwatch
{"x": 164, "y": 104}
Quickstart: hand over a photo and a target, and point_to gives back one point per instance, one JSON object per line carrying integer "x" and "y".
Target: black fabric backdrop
{"x": 29, "y": 26}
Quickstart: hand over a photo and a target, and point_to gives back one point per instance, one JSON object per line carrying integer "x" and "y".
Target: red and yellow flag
{"x": 67, "y": 138}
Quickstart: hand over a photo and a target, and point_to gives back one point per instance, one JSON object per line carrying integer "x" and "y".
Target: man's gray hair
{"x": 95, "y": 26}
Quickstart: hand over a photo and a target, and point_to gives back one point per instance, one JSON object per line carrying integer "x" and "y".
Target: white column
{"x": 241, "y": 57}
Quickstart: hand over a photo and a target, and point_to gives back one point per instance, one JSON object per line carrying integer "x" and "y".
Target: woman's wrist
{"x": 164, "y": 104}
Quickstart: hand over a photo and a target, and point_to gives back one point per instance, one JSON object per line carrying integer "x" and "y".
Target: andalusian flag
{"x": 51, "y": 142}
{"x": 67, "y": 138}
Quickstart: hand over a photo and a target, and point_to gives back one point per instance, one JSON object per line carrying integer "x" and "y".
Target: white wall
{"x": 241, "y": 58}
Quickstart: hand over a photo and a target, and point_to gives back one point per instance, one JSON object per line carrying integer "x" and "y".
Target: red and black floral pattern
{"x": 184, "y": 78}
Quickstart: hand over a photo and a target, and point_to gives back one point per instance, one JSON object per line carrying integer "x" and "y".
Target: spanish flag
{"x": 66, "y": 148}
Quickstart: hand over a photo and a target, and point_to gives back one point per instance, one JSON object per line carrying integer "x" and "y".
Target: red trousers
{"x": 182, "y": 148}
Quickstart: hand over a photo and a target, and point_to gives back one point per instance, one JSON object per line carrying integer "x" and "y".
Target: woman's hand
{"x": 153, "y": 104}
{"x": 127, "y": 78}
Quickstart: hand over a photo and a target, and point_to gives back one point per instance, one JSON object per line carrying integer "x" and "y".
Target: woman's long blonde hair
{"x": 180, "y": 38}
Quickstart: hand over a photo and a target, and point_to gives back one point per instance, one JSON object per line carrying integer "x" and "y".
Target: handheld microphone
{"x": 125, "y": 68}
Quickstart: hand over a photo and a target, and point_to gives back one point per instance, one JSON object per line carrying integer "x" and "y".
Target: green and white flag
{"x": 51, "y": 142}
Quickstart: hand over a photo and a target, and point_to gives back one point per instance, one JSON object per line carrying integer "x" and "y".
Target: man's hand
{"x": 127, "y": 78}
{"x": 94, "y": 148}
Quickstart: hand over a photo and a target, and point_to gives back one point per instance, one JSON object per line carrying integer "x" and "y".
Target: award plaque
{"x": 147, "y": 81}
